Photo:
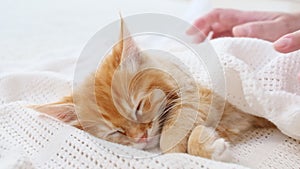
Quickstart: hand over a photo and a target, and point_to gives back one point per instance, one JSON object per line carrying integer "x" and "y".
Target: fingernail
{"x": 198, "y": 38}
{"x": 192, "y": 30}
{"x": 283, "y": 43}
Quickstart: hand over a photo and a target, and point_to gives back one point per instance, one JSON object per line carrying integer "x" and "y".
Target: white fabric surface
{"x": 29, "y": 140}
{"x": 268, "y": 83}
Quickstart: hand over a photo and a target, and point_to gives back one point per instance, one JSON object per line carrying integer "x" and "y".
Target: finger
{"x": 198, "y": 38}
{"x": 288, "y": 43}
{"x": 223, "y": 20}
{"x": 216, "y": 17}
{"x": 267, "y": 30}
{"x": 204, "y": 28}
{"x": 194, "y": 31}
{"x": 222, "y": 34}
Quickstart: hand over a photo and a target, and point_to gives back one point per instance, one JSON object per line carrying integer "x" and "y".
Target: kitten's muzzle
{"x": 143, "y": 138}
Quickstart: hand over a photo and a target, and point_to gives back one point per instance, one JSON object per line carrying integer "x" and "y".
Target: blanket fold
{"x": 259, "y": 81}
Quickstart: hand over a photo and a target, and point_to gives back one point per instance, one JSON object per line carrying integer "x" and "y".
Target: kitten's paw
{"x": 221, "y": 151}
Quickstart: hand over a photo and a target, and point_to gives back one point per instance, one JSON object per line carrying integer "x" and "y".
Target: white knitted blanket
{"x": 260, "y": 81}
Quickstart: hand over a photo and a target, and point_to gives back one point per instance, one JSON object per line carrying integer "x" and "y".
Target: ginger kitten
{"x": 135, "y": 105}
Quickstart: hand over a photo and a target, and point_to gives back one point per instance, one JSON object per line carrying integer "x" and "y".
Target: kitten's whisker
{"x": 88, "y": 123}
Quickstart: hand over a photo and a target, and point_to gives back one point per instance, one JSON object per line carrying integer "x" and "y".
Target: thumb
{"x": 288, "y": 43}
{"x": 267, "y": 30}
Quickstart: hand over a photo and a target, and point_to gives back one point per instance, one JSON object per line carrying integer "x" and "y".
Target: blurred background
{"x": 61, "y": 28}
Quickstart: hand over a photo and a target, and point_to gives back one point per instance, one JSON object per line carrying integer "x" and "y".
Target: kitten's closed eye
{"x": 117, "y": 131}
{"x": 150, "y": 106}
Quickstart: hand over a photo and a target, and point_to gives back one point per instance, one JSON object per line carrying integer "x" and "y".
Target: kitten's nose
{"x": 143, "y": 138}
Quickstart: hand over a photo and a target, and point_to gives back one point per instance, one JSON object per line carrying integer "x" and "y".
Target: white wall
{"x": 56, "y": 28}
{"x": 269, "y": 5}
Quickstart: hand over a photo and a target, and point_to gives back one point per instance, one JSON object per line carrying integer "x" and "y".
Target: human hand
{"x": 281, "y": 28}
{"x": 288, "y": 43}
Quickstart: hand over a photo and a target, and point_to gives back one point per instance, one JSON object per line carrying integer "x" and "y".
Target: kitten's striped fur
{"x": 144, "y": 109}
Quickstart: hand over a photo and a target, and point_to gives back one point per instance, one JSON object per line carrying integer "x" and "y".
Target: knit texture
{"x": 259, "y": 81}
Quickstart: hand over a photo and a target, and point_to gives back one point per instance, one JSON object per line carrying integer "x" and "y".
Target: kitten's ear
{"x": 126, "y": 46}
{"x": 63, "y": 111}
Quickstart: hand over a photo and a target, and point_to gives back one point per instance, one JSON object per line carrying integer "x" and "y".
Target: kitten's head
{"x": 132, "y": 100}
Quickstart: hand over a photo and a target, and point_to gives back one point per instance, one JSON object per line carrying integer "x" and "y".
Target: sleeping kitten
{"x": 144, "y": 108}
